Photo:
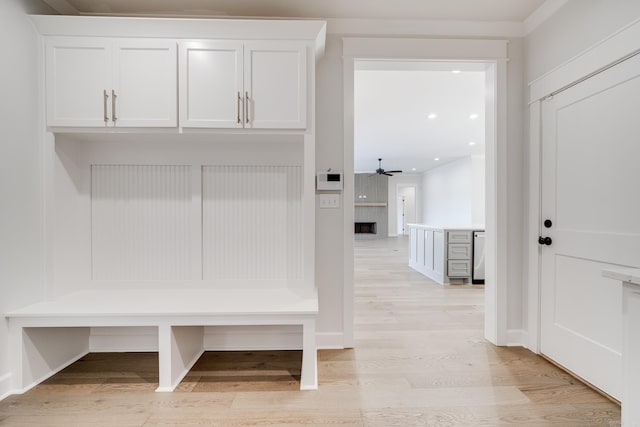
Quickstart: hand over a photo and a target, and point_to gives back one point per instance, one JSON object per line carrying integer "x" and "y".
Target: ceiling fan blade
{"x": 387, "y": 173}
{"x": 393, "y": 171}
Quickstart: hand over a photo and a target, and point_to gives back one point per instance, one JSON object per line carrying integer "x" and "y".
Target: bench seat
{"x": 47, "y": 336}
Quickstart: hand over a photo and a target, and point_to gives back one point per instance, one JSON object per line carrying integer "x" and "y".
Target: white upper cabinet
{"x": 275, "y": 85}
{"x": 95, "y": 82}
{"x": 211, "y": 88}
{"x": 145, "y": 83}
{"x": 257, "y": 85}
{"x": 78, "y": 80}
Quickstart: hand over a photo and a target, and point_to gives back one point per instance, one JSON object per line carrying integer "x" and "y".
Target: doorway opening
{"x": 492, "y": 59}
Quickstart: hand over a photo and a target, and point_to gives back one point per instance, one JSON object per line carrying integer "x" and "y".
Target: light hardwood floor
{"x": 420, "y": 360}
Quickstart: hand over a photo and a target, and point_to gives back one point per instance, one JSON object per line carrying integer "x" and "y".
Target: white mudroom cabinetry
{"x": 175, "y": 240}
{"x": 98, "y": 82}
{"x": 243, "y": 84}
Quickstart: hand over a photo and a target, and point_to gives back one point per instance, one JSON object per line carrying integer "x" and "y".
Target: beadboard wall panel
{"x": 252, "y": 224}
{"x": 140, "y": 222}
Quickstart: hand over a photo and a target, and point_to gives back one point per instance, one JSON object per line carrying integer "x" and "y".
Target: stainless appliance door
{"x": 478, "y": 257}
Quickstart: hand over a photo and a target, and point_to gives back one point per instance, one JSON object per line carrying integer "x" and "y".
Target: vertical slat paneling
{"x": 251, "y": 223}
{"x": 140, "y": 222}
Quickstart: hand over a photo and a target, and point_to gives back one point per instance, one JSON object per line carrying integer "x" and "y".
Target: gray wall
{"x": 376, "y": 190}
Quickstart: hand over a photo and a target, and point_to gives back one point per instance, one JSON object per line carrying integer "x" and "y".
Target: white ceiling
{"x": 393, "y": 101}
{"x": 455, "y": 10}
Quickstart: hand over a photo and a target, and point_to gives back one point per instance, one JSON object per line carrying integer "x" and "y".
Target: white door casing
{"x": 589, "y": 163}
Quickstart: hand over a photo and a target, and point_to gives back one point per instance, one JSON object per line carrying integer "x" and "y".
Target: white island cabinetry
{"x": 442, "y": 254}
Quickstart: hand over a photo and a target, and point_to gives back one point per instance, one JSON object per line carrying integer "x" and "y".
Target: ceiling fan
{"x": 381, "y": 171}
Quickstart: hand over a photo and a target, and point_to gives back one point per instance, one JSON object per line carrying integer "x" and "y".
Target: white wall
{"x": 21, "y": 178}
{"x": 329, "y": 222}
{"x": 403, "y": 180}
{"x": 453, "y": 194}
{"x": 577, "y": 26}
{"x": 478, "y": 192}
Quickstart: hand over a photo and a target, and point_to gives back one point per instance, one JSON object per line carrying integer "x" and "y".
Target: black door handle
{"x": 548, "y": 223}
{"x": 544, "y": 241}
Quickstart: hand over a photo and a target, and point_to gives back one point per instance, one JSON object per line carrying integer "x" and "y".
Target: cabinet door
{"x": 459, "y": 251}
{"x": 420, "y": 246}
{"x": 276, "y": 83}
{"x": 77, "y": 77}
{"x": 144, "y": 83}
{"x": 459, "y": 268}
{"x": 428, "y": 249}
{"x": 438, "y": 252}
{"x": 211, "y": 84}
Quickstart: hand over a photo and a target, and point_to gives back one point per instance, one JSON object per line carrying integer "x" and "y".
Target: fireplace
{"x": 365, "y": 228}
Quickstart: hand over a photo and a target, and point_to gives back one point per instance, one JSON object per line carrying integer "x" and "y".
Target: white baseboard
{"x": 330, "y": 340}
{"x": 5, "y": 386}
{"x": 517, "y": 338}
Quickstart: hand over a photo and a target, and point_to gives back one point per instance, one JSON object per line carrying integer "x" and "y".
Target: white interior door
{"x": 406, "y": 208}
{"x": 400, "y": 226}
{"x": 590, "y": 140}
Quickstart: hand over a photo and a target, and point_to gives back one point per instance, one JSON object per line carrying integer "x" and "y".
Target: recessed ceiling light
{"x": 456, "y": 71}
{"x": 432, "y": 116}
{"x": 473, "y": 116}
{"x": 472, "y": 143}
{"x": 413, "y": 169}
{"x": 436, "y": 159}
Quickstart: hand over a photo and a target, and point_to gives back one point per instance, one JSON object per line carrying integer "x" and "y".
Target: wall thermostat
{"x": 329, "y": 180}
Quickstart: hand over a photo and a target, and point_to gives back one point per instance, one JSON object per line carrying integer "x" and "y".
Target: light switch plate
{"x": 329, "y": 201}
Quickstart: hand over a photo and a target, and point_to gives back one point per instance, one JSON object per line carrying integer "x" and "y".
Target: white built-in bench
{"x": 48, "y": 336}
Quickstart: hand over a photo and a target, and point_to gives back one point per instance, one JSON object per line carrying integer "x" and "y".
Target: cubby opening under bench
{"x": 48, "y": 336}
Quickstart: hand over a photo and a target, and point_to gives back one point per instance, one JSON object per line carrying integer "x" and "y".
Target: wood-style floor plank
{"x": 420, "y": 360}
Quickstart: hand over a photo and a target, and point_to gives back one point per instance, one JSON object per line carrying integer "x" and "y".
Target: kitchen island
{"x": 444, "y": 254}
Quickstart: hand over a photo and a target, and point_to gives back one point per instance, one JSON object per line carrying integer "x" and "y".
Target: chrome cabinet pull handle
{"x": 105, "y": 98}
{"x": 247, "y": 106}
{"x": 113, "y": 105}
{"x": 238, "y": 105}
